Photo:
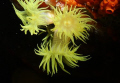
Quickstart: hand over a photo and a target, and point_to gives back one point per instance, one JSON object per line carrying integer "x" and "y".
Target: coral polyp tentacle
{"x": 58, "y": 52}
{"x": 72, "y": 22}
{"x": 32, "y": 16}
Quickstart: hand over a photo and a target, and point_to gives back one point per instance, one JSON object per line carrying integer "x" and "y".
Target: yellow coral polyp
{"x": 58, "y": 52}
{"x": 72, "y": 22}
{"x": 69, "y": 23}
{"x": 32, "y": 16}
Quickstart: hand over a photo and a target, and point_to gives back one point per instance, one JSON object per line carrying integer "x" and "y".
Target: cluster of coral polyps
{"x": 70, "y": 22}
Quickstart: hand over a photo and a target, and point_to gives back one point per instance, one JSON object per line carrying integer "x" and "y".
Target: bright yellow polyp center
{"x": 66, "y": 23}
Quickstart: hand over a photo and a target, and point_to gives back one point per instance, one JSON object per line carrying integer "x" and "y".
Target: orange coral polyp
{"x": 108, "y": 6}
{"x": 109, "y": 10}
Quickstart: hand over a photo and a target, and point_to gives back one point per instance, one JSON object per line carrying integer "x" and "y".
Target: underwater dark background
{"x": 19, "y": 64}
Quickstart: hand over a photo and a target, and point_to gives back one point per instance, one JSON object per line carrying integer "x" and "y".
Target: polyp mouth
{"x": 109, "y": 11}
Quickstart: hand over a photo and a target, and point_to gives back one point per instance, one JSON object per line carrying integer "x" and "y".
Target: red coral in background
{"x": 100, "y": 8}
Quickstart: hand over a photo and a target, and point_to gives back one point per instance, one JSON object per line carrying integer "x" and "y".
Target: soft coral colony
{"x": 70, "y": 22}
